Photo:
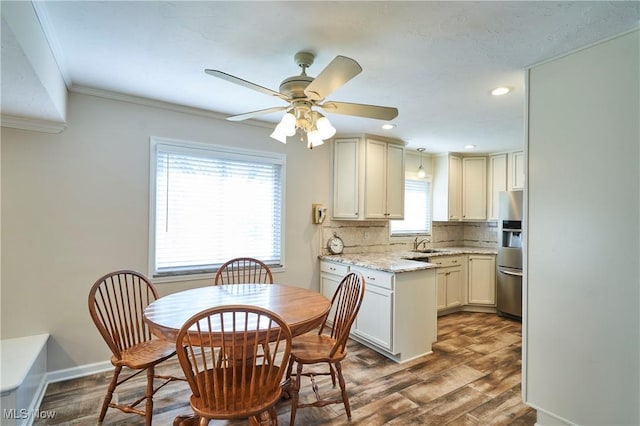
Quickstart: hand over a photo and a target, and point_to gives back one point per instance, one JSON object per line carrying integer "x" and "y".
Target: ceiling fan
{"x": 303, "y": 92}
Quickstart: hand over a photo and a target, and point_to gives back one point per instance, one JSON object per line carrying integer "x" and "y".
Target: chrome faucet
{"x": 417, "y": 243}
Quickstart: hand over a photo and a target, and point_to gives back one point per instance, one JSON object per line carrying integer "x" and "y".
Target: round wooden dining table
{"x": 303, "y": 310}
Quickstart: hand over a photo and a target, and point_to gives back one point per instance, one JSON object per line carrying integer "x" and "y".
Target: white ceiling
{"x": 435, "y": 61}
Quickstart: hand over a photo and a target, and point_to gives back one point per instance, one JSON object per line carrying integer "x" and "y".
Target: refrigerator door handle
{"x": 515, "y": 274}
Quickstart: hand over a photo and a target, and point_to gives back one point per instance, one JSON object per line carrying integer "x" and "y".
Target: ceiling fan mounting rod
{"x": 304, "y": 60}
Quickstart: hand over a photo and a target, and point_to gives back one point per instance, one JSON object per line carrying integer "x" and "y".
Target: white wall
{"x": 582, "y": 329}
{"x": 75, "y": 206}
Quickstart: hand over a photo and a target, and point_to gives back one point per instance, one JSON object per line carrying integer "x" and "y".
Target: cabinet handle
{"x": 515, "y": 274}
{"x": 371, "y": 278}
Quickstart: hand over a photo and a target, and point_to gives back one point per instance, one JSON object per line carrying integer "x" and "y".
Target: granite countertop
{"x": 401, "y": 261}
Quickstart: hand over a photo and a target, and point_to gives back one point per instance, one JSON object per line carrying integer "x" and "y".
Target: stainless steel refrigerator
{"x": 509, "y": 261}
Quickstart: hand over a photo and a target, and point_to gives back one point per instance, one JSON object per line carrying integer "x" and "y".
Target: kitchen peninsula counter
{"x": 401, "y": 261}
{"x": 398, "y": 316}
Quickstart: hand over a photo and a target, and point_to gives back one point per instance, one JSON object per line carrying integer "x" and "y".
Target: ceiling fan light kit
{"x": 303, "y": 93}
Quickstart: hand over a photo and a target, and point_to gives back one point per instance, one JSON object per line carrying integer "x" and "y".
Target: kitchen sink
{"x": 420, "y": 259}
{"x": 430, "y": 250}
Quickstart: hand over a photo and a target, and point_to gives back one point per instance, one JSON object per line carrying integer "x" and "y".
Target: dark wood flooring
{"x": 471, "y": 378}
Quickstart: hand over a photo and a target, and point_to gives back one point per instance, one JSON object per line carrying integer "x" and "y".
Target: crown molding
{"x": 160, "y": 104}
{"x": 36, "y": 124}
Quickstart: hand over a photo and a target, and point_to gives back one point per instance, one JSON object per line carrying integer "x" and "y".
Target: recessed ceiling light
{"x": 469, "y": 146}
{"x": 388, "y": 126}
{"x": 499, "y": 91}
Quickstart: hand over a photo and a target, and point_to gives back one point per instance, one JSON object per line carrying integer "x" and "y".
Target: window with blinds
{"x": 210, "y": 204}
{"x": 417, "y": 209}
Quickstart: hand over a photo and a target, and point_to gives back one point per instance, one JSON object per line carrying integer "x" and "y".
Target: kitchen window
{"x": 212, "y": 203}
{"x": 417, "y": 209}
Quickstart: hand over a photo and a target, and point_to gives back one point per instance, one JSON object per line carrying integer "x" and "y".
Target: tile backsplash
{"x": 372, "y": 237}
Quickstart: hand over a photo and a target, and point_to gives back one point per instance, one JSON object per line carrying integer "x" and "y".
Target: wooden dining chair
{"x": 116, "y": 304}
{"x": 229, "y": 373}
{"x": 243, "y": 270}
{"x": 330, "y": 348}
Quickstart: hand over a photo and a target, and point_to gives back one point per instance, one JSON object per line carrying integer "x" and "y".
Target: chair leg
{"x": 266, "y": 418}
{"x": 149, "y": 397}
{"x": 343, "y": 388}
{"x": 333, "y": 374}
{"x": 273, "y": 416}
{"x": 109, "y": 395}
{"x": 295, "y": 389}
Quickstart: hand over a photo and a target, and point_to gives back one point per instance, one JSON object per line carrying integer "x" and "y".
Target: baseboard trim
{"x": 545, "y": 418}
{"x": 79, "y": 371}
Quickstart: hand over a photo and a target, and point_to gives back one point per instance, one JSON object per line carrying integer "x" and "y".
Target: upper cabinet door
{"x": 375, "y": 180}
{"x": 455, "y": 188}
{"x": 474, "y": 188}
{"x": 516, "y": 164}
{"x": 395, "y": 181}
{"x": 447, "y": 188}
{"x": 345, "y": 178}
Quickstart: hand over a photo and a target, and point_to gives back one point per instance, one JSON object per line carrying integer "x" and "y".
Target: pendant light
{"x": 421, "y": 172}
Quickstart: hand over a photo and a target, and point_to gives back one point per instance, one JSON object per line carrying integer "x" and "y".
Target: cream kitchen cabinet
{"x": 482, "y": 279}
{"x": 346, "y": 167}
{"x": 398, "y": 316}
{"x": 474, "y": 188}
{"x": 496, "y": 183}
{"x": 447, "y": 188}
{"x": 459, "y": 188}
{"x": 376, "y": 317}
{"x": 368, "y": 179}
{"x": 384, "y": 192}
{"x": 449, "y": 281}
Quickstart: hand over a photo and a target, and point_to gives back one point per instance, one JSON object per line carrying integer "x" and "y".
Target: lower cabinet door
{"x": 328, "y": 285}
{"x": 454, "y": 287}
{"x": 449, "y": 287}
{"x": 375, "y": 319}
{"x": 441, "y": 283}
{"x": 482, "y": 280}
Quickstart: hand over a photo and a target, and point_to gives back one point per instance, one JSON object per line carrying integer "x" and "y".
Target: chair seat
{"x": 145, "y": 354}
{"x": 312, "y": 348}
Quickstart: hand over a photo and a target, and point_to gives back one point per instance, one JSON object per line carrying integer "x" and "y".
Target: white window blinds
{"x": 417, "y": 209}
{"x": 212, "y": 204}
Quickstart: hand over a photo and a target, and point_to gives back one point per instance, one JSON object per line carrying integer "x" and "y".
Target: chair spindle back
{"x": 244, "y": 270}
{"x": 116, "y": 304}
{"x": 234, "y": 359}
{"x": 345, "y": 303}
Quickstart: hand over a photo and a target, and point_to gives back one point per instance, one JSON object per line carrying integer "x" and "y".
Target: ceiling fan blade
{"x": 237, "y": 80}
{"x": 252, "y": 114}
{"x": 361, "y": 110}
{"x": 337, "y": 73}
